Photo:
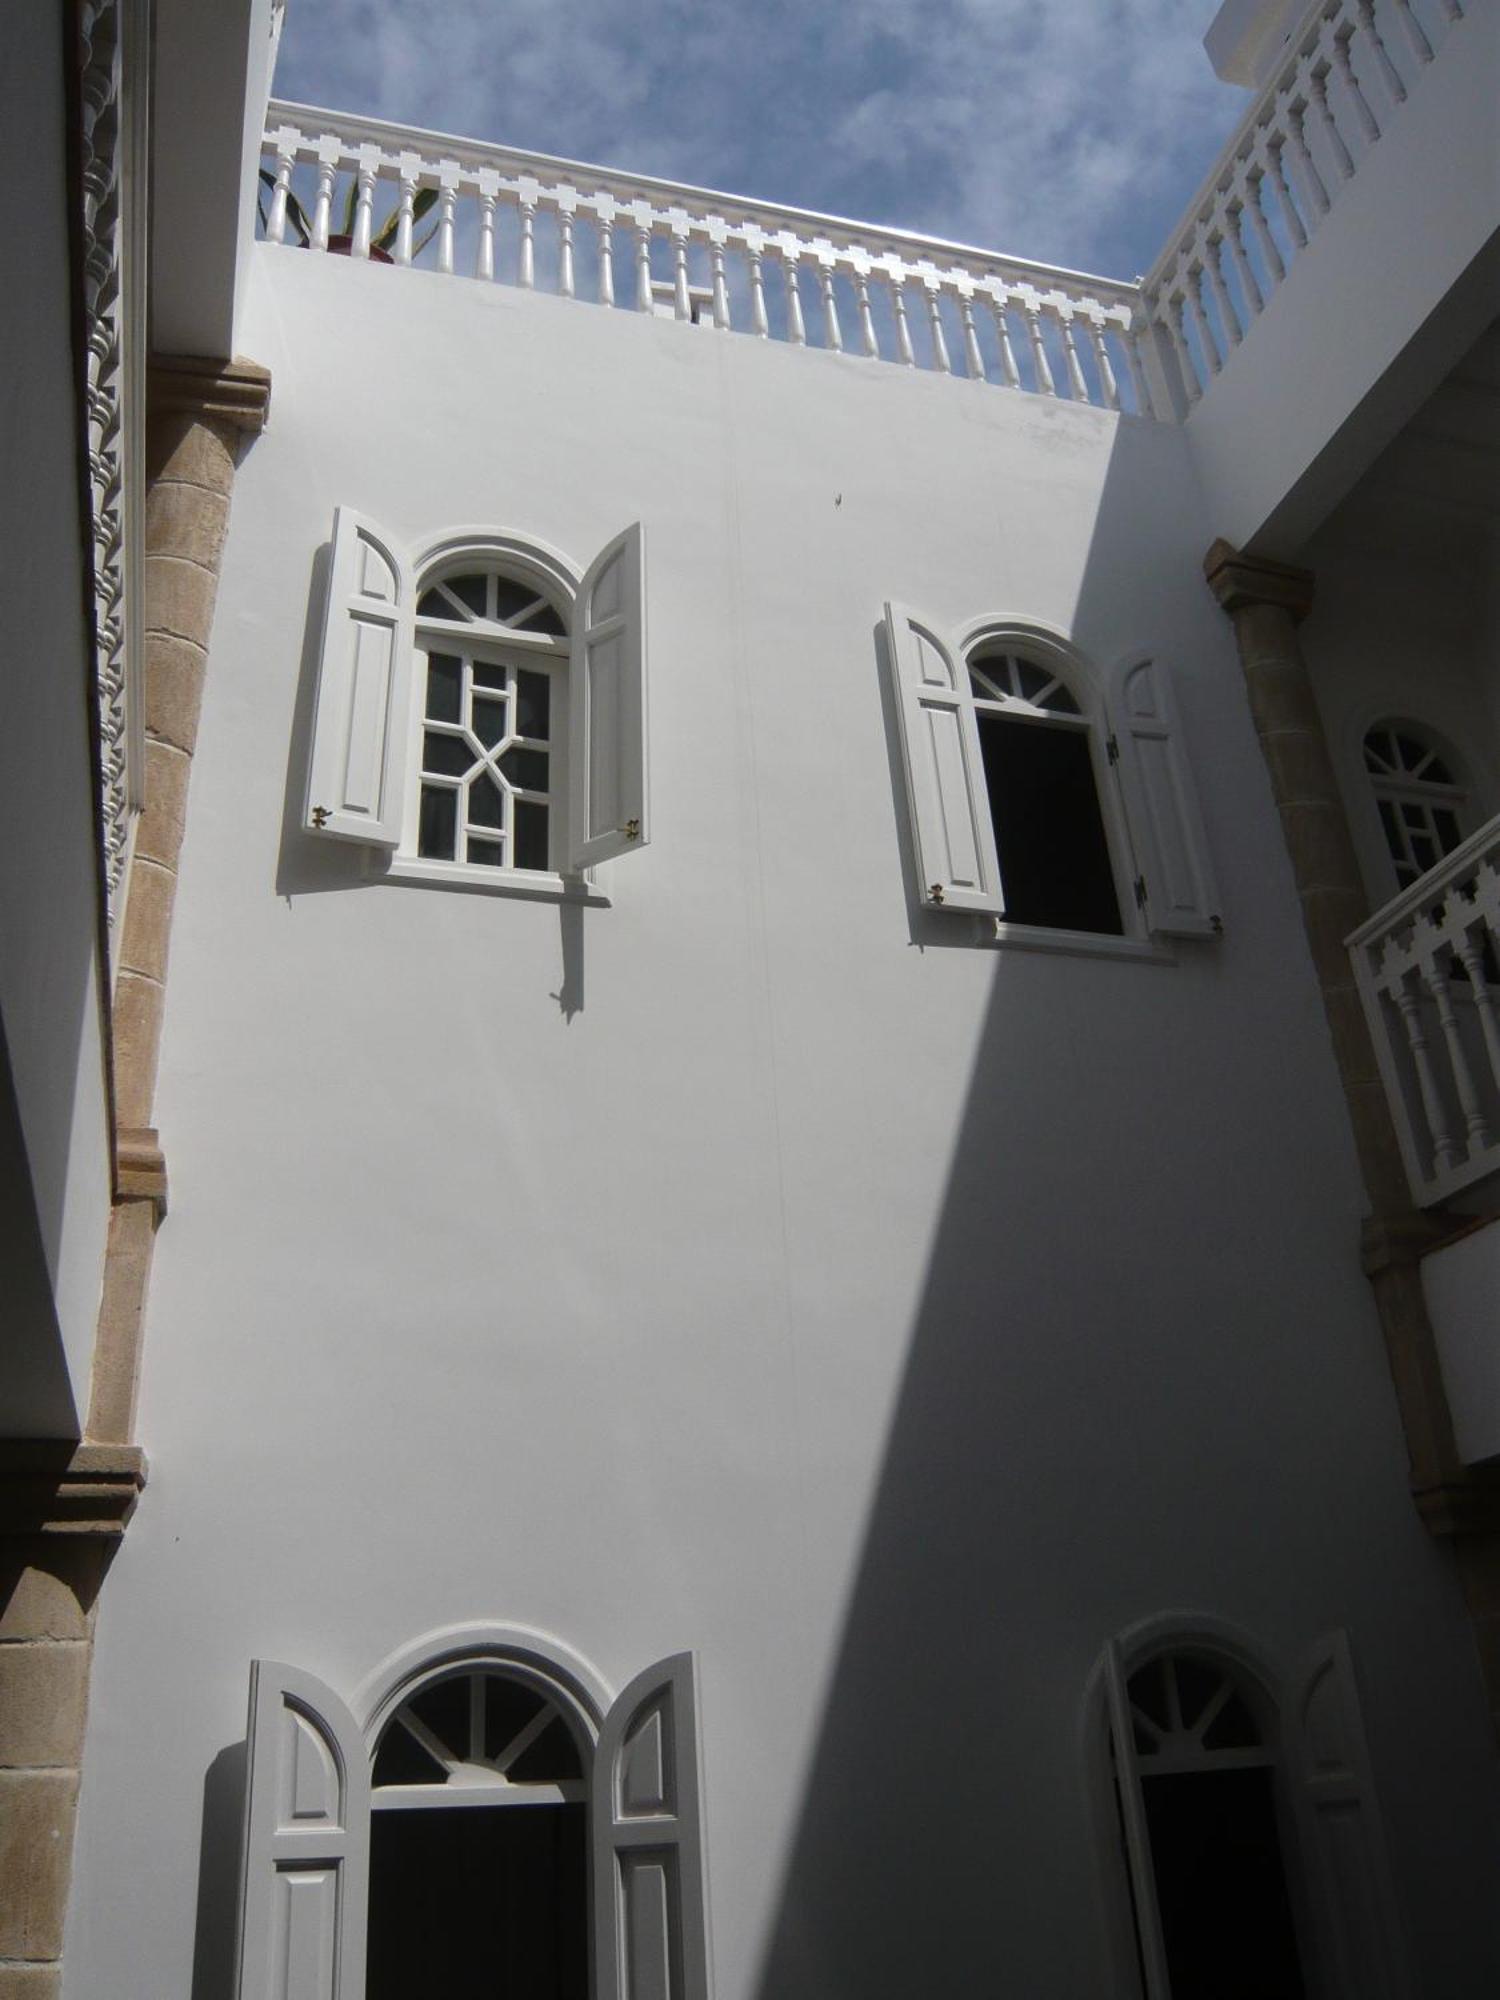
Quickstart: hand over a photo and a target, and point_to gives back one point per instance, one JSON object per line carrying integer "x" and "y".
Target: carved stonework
{"x": 112, "y": 175}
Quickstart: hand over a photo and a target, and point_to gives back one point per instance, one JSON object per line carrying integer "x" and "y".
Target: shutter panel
{"x": 361, "y": 718}
{"x": 647, "y": 1843}
{"x": 1161, "y": 803}
{"x": 607, "y": 707}
{"x": 945, "y": 790}
{"x": 1359, "y": 1932}
{"x": 1137, "y": 1838}
{"x": 307, "y": 1843}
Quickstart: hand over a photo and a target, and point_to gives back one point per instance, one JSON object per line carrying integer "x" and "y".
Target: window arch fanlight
{"x": 1237, "y": 1821}
{"x": 480, "y": 712}
{"x": 1042, "y": 794}
{"x": 498, "y": 1825}
{"x": 1420, "y": 794}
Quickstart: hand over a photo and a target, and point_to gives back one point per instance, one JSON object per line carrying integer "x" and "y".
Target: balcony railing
{"x": 1348, "y": 71}
{"x": 1428, "y": 971}
{"x": 628, "y": 241}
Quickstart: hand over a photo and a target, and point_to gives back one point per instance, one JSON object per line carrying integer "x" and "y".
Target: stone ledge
{"x": 234, "y": 392}
{"x": 140, "y": 1166}
{"x": 54, "y": 1486}
{"x": 1237, "y": 579}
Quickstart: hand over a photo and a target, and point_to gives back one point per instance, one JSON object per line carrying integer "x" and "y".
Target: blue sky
{"x": 1069, "y": 131}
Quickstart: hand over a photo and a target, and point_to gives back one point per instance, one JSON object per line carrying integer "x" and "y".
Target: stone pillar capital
{"x": 237, "y": 393}
{"x": 1239, "y": 580}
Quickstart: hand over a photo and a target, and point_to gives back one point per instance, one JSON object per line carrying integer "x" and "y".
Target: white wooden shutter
{"x": 607, "y": 707}
{"x": 307, "y": 1843}
{"x": 1161, "y": 803}
{"x": 361, "y": 717}
{"x": 945, "y": 789}
{"x": 1359, "y": 1931}
{"x": 647, "y": 1844}
{"x": 1142, "y": 1880}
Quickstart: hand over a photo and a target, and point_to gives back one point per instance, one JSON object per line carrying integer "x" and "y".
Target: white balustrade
{"x": 1299, "y": 145}
{"x": 542, "y": 224}
{"x": 1428, "y": 971}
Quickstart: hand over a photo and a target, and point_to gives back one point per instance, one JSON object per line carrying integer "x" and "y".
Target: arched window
{"x": 1237, "y": 1818}
{"x": 1422, "y": 802}
{"x": 481, "y": 710}
{"x": 496, "y": 1826}
{"x": 1059, "y": 805}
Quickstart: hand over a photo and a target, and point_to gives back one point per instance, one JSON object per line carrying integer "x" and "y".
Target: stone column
{"x": 1266, "y": 602}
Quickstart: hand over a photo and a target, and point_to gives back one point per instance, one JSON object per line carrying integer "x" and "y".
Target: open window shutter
{"x": 945, "y": 789}
{"x": 1137, "y": 1838}
{"x": 307, "y": 1843}
{"x": 1359, "y": 1932}
{"x": 362, "y": 714}
{"x": 607, "y": 707}
{"x": 647, "y": 1845}
{"x": 1161, "y": 803}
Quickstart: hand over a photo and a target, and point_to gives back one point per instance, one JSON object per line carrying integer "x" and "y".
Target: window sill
{"x": 1074, "y": 944}
{"x": 537, "y": 887}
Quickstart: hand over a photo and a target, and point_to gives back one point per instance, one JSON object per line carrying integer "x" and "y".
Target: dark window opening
{"x": 1049, "y": 833}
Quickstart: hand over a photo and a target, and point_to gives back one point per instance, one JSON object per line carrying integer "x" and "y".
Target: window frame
{"x": 1458, "y": 795}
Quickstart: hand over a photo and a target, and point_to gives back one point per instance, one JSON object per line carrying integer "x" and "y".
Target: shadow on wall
{"x": 217, "y": 1924}
{"x": 1140, "y": 1306}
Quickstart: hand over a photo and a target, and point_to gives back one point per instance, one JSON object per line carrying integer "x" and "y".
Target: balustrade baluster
{"x": 682, "y": 301}
{"x": 526, "y": 275}
{"x": 1476, "y": 1124}
{"x": 605, "y": 229}
{"x": 447, "y": 204}
{"x": 1318, "y": 83}
{"x": 1472, "y": 955}
{"x": 721, "y": 289}
{"x": 1277, "y": 171}
{"x": 364, "y": 204}
{"x": 1312, "y": 180}
{"x": 1345, "y": 68}
{"x": 484, "y": 260}
{"x": 565, "y": 253}
{"x": 1192, "y": 384}
{"x": 407, "y": 201}
{"x": 1444, "y": 1151}
{"x": 904, "y": 349}
{"x": 760, "y": 324}
{"x": 1044, "y": 382}
{"x": 940, "y": 359}
{"x": 1139, "y": 381}
{"x": 973, "y": 359}
{"x": 1109, "y": 387}
{"x": 1421, "y": 48}
{"x": 1010, "y": 374}
{"x": 1078, "y": 387}
{"x": 833, "y": 333}
{"x": 867, "y": 337}
{"x": 1255, "y": 188}
{"x": 795, "y": 325}
{"x": 323, "y": 205}
{"x": 1390, "y": 76}
{"x": 1229, "y": 319}
{"x": 1234, "y": 236}
{"x": 643, "y": 299}
{"x": 276, "y": 224}
{"x": 1206, "y": 341}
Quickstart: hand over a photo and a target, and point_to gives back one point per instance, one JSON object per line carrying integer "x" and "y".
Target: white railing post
{"x": 869, "y": 344}
{"x": 447, "y": 206}
{"x": 973, "y": 359}
{"x": 1390, "y": 76}
{"x": 364, "y": 202}
{"x": 605, "y": 230}
{"x": 328, "y": 150}
{"x": 484, "y": 255}
{"x": 286, "y": 154}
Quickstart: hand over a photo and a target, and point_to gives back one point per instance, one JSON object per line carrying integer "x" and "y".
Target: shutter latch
{"x": 1140, "y": 892}
{"x": 1112, "y": 749}
{"x": 935, "y": 893}
{"x": 320, "y": 817}
{"x": 631, "y": 829}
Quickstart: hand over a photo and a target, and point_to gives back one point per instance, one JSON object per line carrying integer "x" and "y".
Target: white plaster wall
{"x": 887, "y": 1319}
{"x": 55, "y": 1163}
{"x": 1462, "y": 1283}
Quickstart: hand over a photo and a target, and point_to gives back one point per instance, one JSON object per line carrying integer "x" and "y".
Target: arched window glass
{"x": 479, "y": 1842}
{"x": 1199, "y": 1790}
{"x": 1039, "y": 771}
{"x": 1422, "y": 802}
{"x": 492, "y": 657}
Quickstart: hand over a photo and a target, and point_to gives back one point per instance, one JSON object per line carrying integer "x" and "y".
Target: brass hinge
{"x": 935, "y": 893}
{"x": 1112, "y": 749}
{"x": 1140, "y": 892}
{"x": 631, "y": 829}
{"x": 321, "y": 816}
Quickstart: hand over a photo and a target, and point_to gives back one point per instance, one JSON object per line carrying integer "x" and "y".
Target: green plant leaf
{"x": 296, "y": 214}
{"x": 423, "y": 200}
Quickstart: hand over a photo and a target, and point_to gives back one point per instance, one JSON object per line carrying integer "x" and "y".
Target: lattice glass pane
{"x": 491, "y": 720}
{"x": 554, "y": 1755}
{"x": 1148, "y": 1692}
{"x": 486, "y": 853}
{"x": 449, "y": 756}
{"x": 533, "y": 704}
{"x": 445, "y": 680}
{"x": 470, "y": 592}
{"x": 437, "y": 823}
{"x": 526, "y": 769}
{"x": 531, "y": 834}
{"x": 486, "y": 803}
{"x": 1447, "y": 829}
{"x": 1197, "y": 1684}
{"x": 444, "y": 1707}
{"x": 508, "y": 1707}
{"x": 432, "y": 604}
{"x": 1233, "y": 1728}
{"x": 401, "y": 1760}
{"x": 489, "y": 674}
{"x": 546, "y": 619}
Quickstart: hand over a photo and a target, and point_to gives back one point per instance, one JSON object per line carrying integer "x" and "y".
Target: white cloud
{"x": 1072, "y": 132}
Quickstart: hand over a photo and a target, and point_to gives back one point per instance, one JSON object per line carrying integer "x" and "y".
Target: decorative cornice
{"x": 1239, "y": 580}
{"x": 232, "y": 392}
{"x": 53, "y": 1486}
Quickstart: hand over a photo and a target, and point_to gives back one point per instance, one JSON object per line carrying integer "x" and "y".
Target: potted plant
{"x": 342, "y": 243}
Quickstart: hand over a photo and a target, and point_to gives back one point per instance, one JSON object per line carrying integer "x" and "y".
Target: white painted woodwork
{"x": 1461, "y": 1283}
{"x": 307, "y": 1843}
{"x": 1161, "y": 802}
{"x": 607, "y": 743}
{"x": 953, "y": 840}
{"x": 1360, "y": 1939}
{"x": 645, "y": 1828}
{"x": 1132, "y": 1807}
{"x": 359, "y": 743}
